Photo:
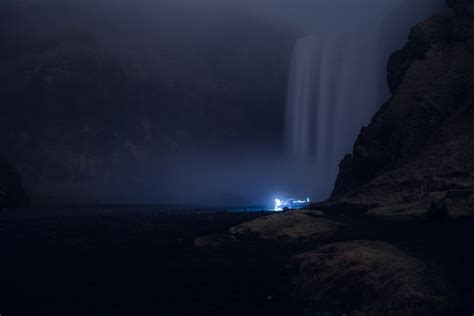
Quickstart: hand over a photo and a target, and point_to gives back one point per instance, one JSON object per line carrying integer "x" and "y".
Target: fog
{"x": 179, "y": 101}
{"x": 265, "y": 175}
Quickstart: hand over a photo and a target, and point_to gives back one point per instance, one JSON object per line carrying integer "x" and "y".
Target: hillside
{"x": 418, "y": 147}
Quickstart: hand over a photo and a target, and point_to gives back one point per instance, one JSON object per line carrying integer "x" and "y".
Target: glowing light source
{"x": 278, "y": 204}
{"x": 290, "y": 204}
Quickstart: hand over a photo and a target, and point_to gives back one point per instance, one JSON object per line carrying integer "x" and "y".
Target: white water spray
{"x": 334, "y": 89}
{"x": 337, "y": 82}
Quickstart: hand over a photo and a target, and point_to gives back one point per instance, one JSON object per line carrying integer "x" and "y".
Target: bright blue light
{"x": 278, "y": 204}
{"x": 290, "y": 204}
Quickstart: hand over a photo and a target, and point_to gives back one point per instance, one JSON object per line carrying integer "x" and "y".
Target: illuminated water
{"x": 337, "y": 81}
{"x": 334, "y": 89}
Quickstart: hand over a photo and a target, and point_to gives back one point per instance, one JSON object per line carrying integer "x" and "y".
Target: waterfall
{"x": 337, "y": 81}
{"x": 299, "y": 97}
{"x": 336, "y": 84}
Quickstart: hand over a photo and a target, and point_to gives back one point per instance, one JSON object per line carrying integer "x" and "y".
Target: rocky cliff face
{"x": 94, "y": 95}
{"x": 420, "y": 146}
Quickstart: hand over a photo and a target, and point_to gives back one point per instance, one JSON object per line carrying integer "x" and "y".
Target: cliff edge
{"x": 419, "y": 150}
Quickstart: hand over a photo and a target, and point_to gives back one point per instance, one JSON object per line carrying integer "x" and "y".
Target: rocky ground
{"x": 372, "y": 277}
{"x": 368, "y": 265}
{"x": 130, "y": 262}
{"x": 290, "y": 227}
{"x": 395, "y": 237}
{"x": 146, "y": 262}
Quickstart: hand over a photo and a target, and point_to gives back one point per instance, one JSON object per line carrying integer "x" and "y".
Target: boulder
{"x": 366, "y": 278}
{"x": 290, "y": 226}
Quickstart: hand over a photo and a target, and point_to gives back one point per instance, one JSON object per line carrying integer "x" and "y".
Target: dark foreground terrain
{"x": 121, "y": 262}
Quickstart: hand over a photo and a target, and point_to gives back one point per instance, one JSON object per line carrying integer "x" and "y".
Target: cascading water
{"x": 337, "y": 82}
{"x": 299, "y": 98}
{"x": 333, "y": 90}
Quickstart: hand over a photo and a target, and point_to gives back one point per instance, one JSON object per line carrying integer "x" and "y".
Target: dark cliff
{"x": 94, "y": 98}
{"x": 419, "y": 146}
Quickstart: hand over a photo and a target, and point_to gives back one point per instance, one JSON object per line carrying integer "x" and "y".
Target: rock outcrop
{"x": 214, "y": 240}
{"x": 366, "y": 278}
{"x": 12, "y": 193}
{"x": 294, "y": 226}
{"x": 419, "y": 145}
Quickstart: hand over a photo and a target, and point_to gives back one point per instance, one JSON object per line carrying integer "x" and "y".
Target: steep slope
{"x": 419, "y": 147}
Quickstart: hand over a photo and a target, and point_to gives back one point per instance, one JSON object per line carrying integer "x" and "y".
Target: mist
{"x": 177, "y": 101}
